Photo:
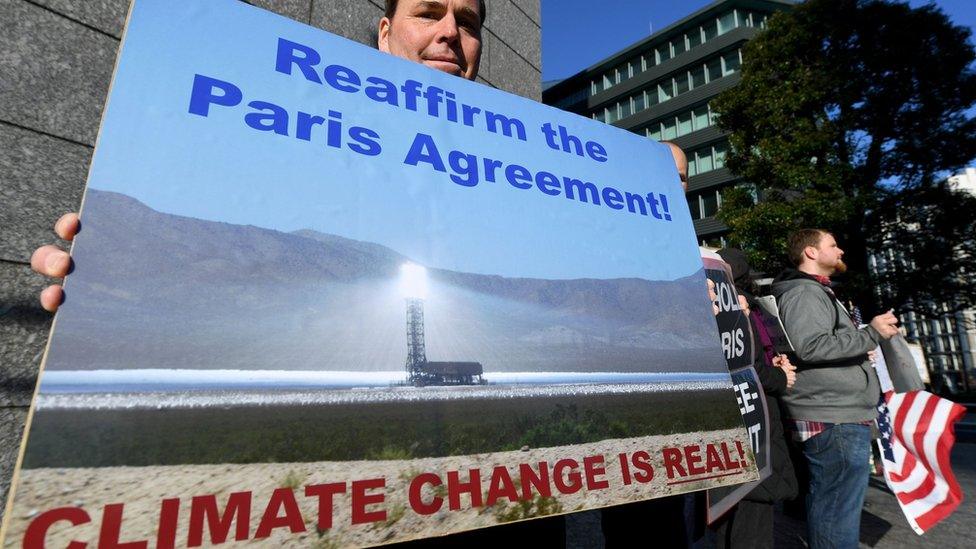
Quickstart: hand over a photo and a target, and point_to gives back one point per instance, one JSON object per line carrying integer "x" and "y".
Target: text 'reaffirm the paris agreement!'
{"x": 209, "y": 94}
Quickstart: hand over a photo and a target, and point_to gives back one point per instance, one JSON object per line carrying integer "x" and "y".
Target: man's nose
{"x": 447, "y": 29}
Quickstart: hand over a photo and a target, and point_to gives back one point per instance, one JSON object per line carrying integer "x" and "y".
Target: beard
{"x": 840, "y": 267}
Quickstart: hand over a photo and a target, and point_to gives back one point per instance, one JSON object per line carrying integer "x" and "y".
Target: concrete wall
{"x": 59, "y": 54}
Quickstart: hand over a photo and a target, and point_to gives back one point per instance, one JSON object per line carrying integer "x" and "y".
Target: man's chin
{"x": 840, "y": 267}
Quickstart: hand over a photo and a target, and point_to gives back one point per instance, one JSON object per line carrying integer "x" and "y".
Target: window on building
{"x": 625, "y": 109}
{"x": 731, "y": 62}
{"x": 678, "y": 45}
{"x": 694, "y": 37}
{"x": 648, "y": 60}
{"x": 701, "y": 117}
{"x": 654, "y": 131}
{"x": 639, "y": 102}
{"x": 692, "y": 165}
{"x": 710, "y": 30}
{"x": 681, "y": 83}
{"x": 606, "y": 81}
{"x": 726, "y": 22}
{"x": 719, "y": 153}
{"x": 594, "y": 87}
{"x": 713, "y": 69}
{"x": 694, "y": 207}
{"x": 684, "y": 124}
{"x": 664, "y": 91}
{"x": 712, "y": 117}
{"x": 651, "y": 97}
{"x": 709, "y": 203}
{"x": 612, "y": 114}
{"x": 633, "y": 67}
{"x": 698, "y": 77}
{"x": 663, "y": 53}
{"x": 600, "y": 115}
{"x": 713, "y": 242}
{"x": 704, "y": 160}
{"x": 669, "y": 129}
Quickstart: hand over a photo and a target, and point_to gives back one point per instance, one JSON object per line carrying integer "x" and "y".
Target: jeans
{"x": 838, "y": 463}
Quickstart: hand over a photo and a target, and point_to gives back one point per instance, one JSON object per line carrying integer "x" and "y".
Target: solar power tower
{"x": 413, "y": 280}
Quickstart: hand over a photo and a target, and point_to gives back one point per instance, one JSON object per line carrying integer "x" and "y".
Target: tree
{"x": 849, "y": 115}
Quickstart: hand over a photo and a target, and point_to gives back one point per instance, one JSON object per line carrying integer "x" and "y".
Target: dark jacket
{"x": 781, "y": 483}
{"x": 835, "y": 381}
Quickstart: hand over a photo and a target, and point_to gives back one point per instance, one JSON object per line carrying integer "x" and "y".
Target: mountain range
{"x": 156, "y": 290}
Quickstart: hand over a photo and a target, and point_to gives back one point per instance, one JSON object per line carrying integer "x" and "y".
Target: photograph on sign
{"x": 323, "y": 295}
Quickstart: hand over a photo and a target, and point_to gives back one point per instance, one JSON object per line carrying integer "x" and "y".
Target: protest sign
{"x": 737, "y": 339}
{"x": 898, "y": 366}
{"x": 774, "y": 325}
{"x": 325, "y": 296}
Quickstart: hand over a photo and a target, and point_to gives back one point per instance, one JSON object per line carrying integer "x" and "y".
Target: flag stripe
{"x": 921, "y": 429}
{"x": 908, "y": 462}
{"x": 906, "y": 430}
{"x": 920, "y": 439}
{"x": 934, "y": 489}
{"x": 953, "y": 413}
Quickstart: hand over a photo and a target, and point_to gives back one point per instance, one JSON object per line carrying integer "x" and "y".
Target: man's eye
{"x": 469, "y": 25}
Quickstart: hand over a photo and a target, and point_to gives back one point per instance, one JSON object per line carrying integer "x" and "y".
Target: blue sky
{"x": 576, "y": 35}
{"x": 217, "y": 168}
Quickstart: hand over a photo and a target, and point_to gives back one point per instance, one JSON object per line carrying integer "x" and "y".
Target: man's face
{"x": 442, "y": 34}
{"x": 828, "y": 256}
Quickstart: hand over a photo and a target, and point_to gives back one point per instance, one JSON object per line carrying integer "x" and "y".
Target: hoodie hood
{"x": 790, "y": 278}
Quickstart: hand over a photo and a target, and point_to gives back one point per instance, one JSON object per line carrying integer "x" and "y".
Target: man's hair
{"x": 798, "y": 242}
{"x": 391, "y": 6}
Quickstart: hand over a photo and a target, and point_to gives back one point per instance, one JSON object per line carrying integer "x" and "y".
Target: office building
{"x": 661, "y": 87}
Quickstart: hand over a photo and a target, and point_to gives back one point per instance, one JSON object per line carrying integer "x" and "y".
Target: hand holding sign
{"x": 886, "y": 324}
{"x": 712, "y": 296}
{"x": 744, "y": 304}
{"x": 52, "y": 261}
{"x": 783, "y": 362}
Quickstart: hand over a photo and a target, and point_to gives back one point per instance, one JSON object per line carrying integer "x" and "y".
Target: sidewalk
{"x": 883, "y": 526}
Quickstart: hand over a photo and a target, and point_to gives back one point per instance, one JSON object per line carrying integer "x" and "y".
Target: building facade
{"x": 948, "y": 341}
{"x": 661, "y": 88}
{"x": 55, "y": 70}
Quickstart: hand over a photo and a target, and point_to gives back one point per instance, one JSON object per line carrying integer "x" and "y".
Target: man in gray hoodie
{"x": 833, "y": 402}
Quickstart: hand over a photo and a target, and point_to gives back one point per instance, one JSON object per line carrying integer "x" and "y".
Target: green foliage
{"x": 325, "y": 541}
{"x": 395, "y": 514}
{"x": 566, "y": 425}
{"x": 528, "y": 508}
{"x": 293, "y": 480}
{"x": 391, "y": 453}
{"x": 848, "y": 114}
{"x": 300, "y": 434}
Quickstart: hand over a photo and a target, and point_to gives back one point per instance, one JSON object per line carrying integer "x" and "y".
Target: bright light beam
{"x": 413, "y": 281}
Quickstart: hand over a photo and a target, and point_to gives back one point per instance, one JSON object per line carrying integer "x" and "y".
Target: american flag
{"x": 916, "y": 440}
